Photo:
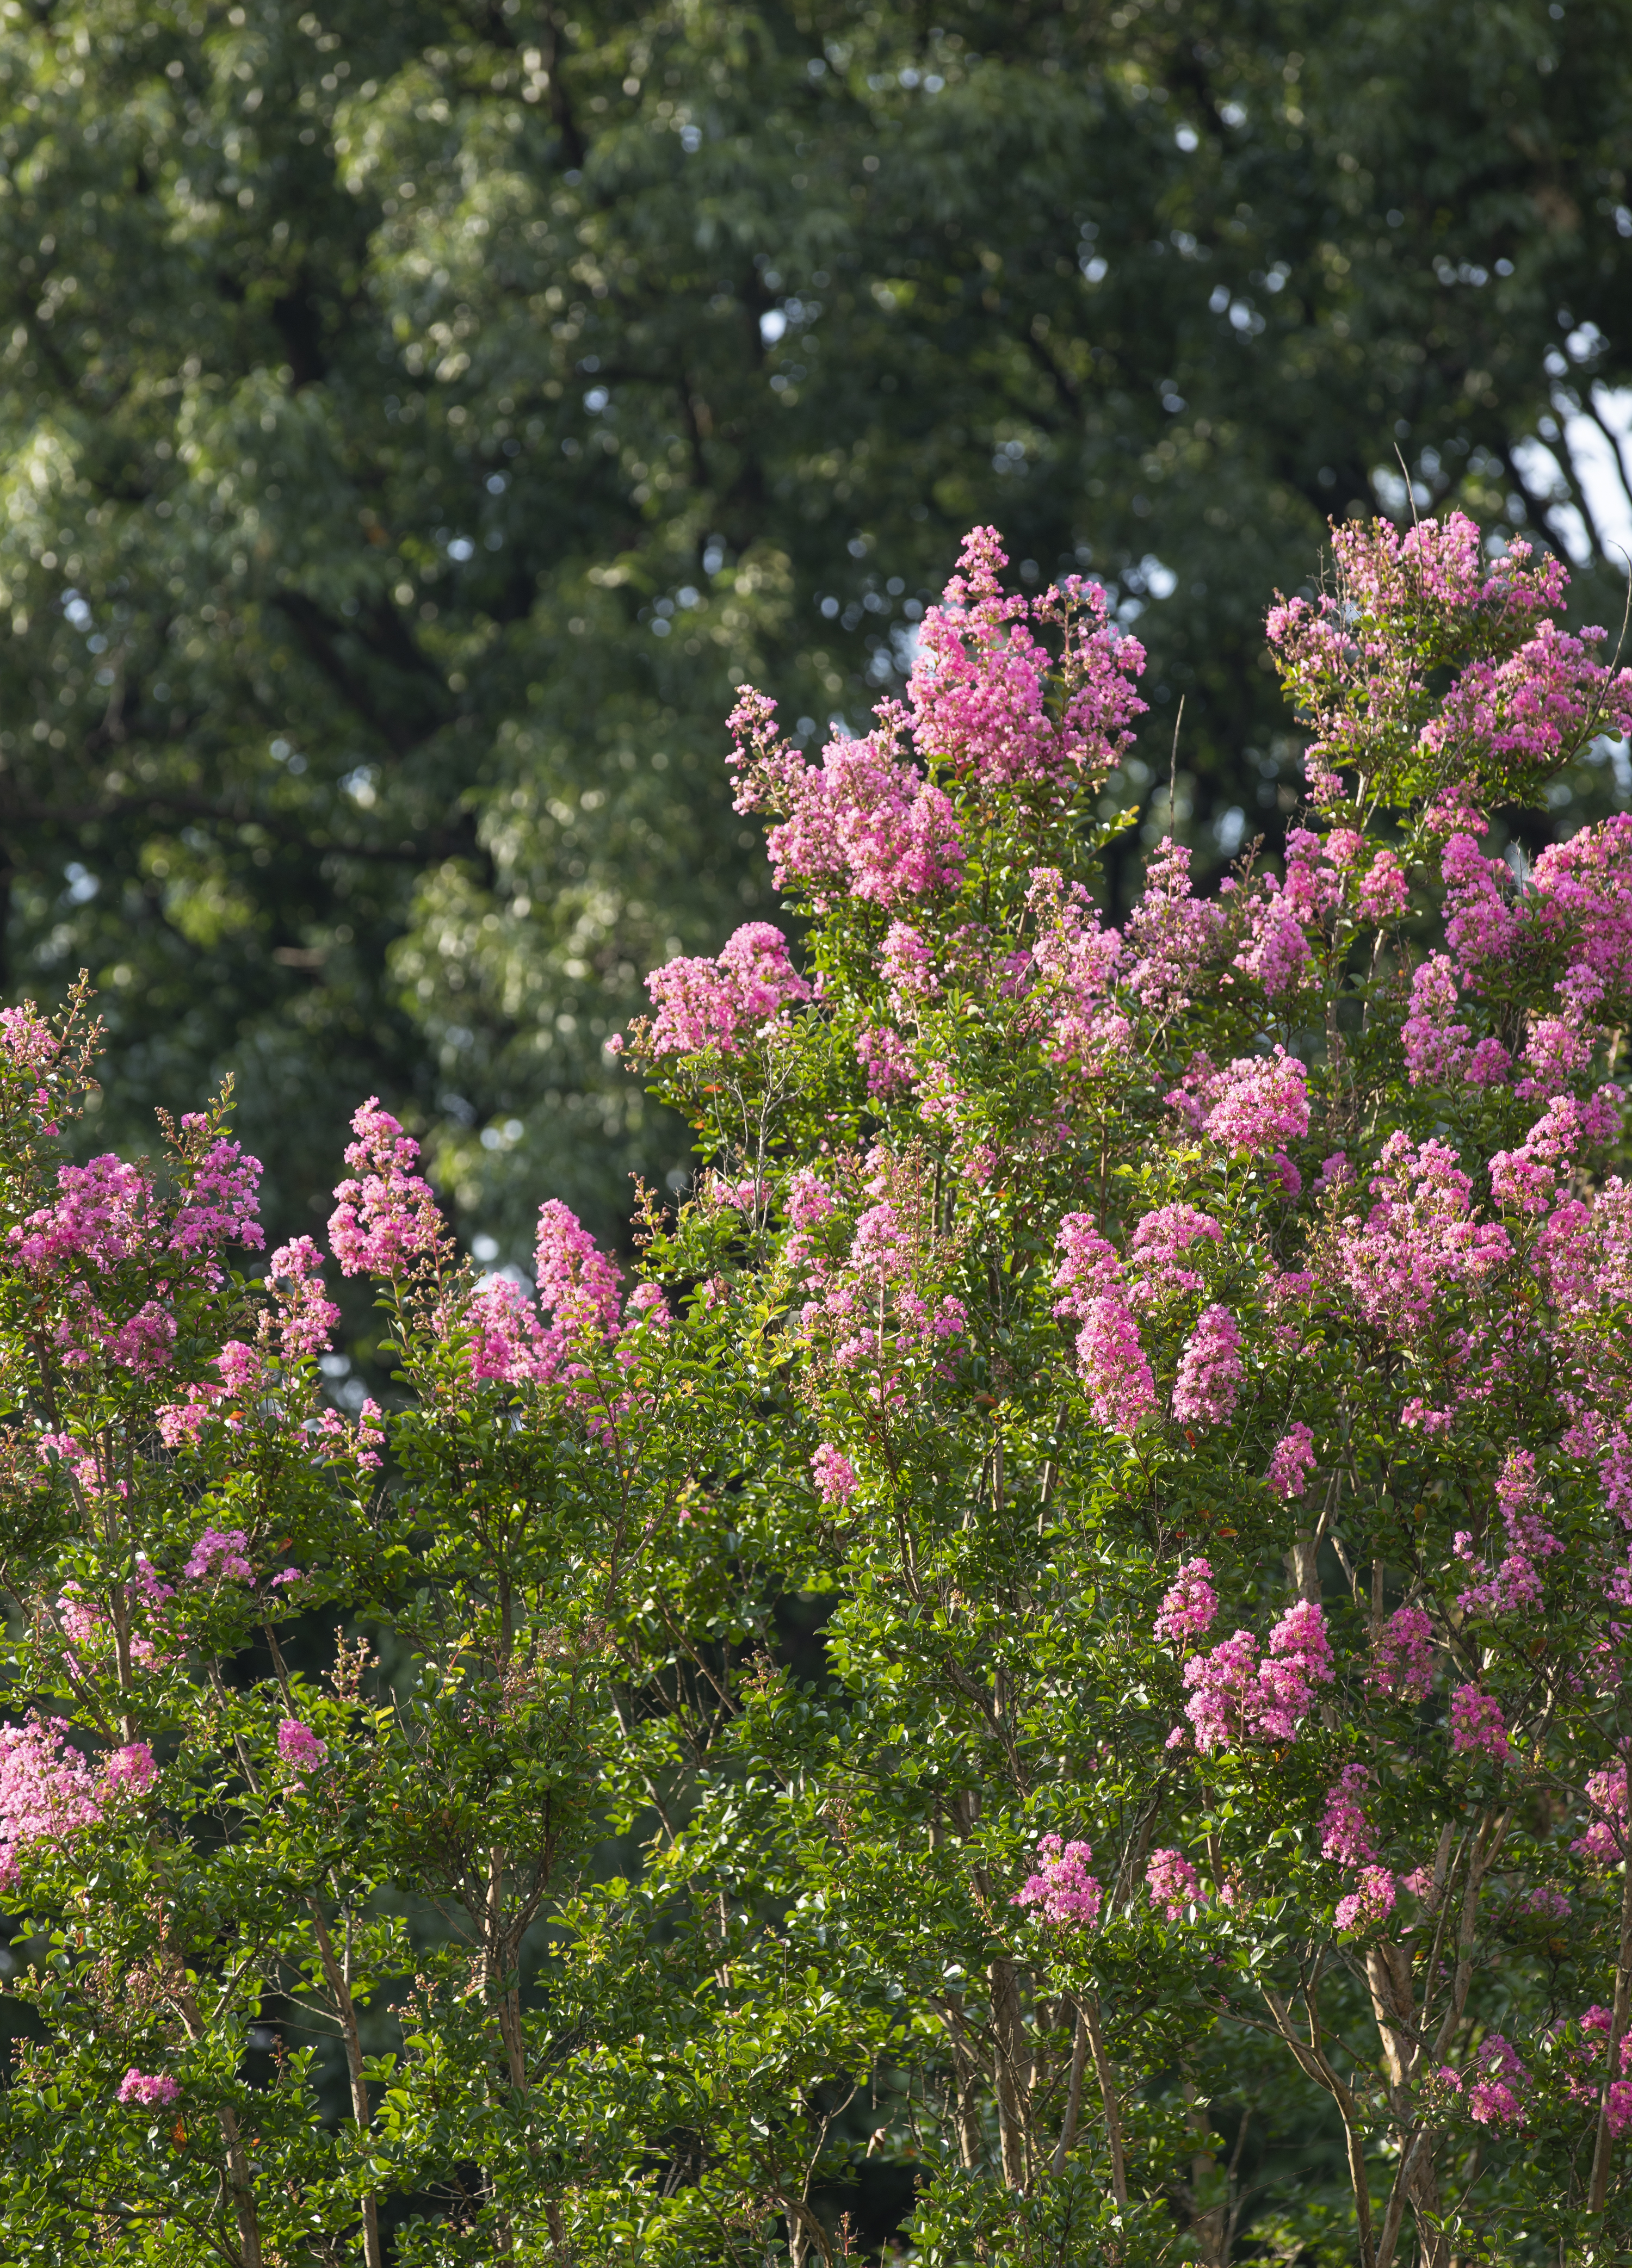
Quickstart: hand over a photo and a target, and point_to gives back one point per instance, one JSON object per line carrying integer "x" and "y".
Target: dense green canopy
{"x": 417, "y": 417}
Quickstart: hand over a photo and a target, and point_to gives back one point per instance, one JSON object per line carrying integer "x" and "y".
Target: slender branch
{"x": 1089, "y": 2009}
{"x": 1598, "y": 2190}
{"x": 1073, "y": 2097}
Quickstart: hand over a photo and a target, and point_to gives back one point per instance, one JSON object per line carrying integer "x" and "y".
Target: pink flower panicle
{"x": 1061, "y": 1887}
{"x": 105, "y": 1213}
{"x": 28, "y": 1041}
{"x": 140, "y": 2090}
{"x": 1209, "y": 1370}
{"x": 1495, "y": 2096}
{"x": 1171, "y": 934}
{"x": 131, "y": 1769}
{"x": 1111, "y": 1356}
{"x": 579, "y": 1291}
{"x": 721, "y": 1004}
{"x": 834, "y": 1475}
{"x": 1358, "y": 660}
{"x": 980, "y": 683}
{"x": 1115, "y": 1369}
{"x": 1605, "y": 1838}
{"x": 1188, "y": 1608}
{"x": 219, "y": 1202}
{"x": 1259, "y": 1101}
{"x": 1173, "y": 1883}
{"x": 886, "y": 1059}
{"x": 1420, "y": 1240}
{"x": 304, "y": 1316}
{"x": 389, "y": 1220}
{"x": 1156, "y": 1250}
{"x": 1290, "y": 1465}
{"x": 1344, "y": 1830}
{"x": 576, "y": 1280}
{"x": 298, "y": 1745}
{"x": 47, "y": 1791}
{"x": 1476, "y": 1726}
{"x": 219, "y": 1553}
{"x": 1235, "y": 1696}
{"x": 1073, "y": 962}
{"x": 1404, "y": 1663}
{"x": 1370, "y": 1904}
{"x": 864, "y": 823}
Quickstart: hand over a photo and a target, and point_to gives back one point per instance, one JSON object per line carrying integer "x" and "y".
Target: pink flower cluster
{"x": 981, "y": 682}
{"x": 1370, "y": 1904}
{"x": 305, "y": 1316}
{"x": 1156, "y": 1248}
{"x": 1189, "y": 1605}
{"x": 1061, "y": 1887}
{"x": 1582, "y": 2086}
{"x": 1515, "y": 1585}
{"x": 219, "y": 1204}
{"x": 143, "y": 2091}
{"x": 106, "y": 1213}
{"x": 1419, "y": 1240}
{"x": 1290, "y": 1464}
{"x": 28, "y": 1041}
{"x": 1403, "y": 1665}
{"x": 887, "y": 1060}
{"x": 1208, "y": 1378}
{"x": 47, "y": 1789}
{"x": 1494, "y": 2095}
{"x": 1359, "y": 661}
{"x": 383, "y": 1224}
{"x": 1344, "y": 1830}
{"x": 1173, "y": 1883}
{"x": 1114, "y": 1368}
{"x": 1526, "y": 712}
{"x": 1072, "y": 963}
{"x": 720, "y": 1004}
{"x": 578, "y": 1286}
{"x": 1476, "y": 1726}
{"x": 834, "y": 1475}
{"x": 1236, "y": 1697}
{"x": 1171, "y": 934}
{"x": 865, "y": 823}
{"x": 1438, "y": 1049}
{"x": 298, "y": 1745}
{"x": 1606, "y": 1839}
{"x": 1258, "y": 1101}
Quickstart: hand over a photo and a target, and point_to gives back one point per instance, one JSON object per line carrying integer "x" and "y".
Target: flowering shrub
{"x": 1183, "y": 1367}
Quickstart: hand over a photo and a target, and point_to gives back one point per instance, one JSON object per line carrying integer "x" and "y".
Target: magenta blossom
{"x": 1344, "y": 1830}
{"x": 1173, "y": 1883}
{"x": 1260, "y": 1102}
{"x": 1476, "y": 1726}
{"x": 1189, "y": 1607}
{"x": 45, "y": 1789}
{"x": 1405, "y": 1654}
{"x": 305, "y": 1316}
{"x": 834, "y": 1475}
{"x": 720, "y": 1004}
{"x": 1369, "y": 1905}
{"x": 1062, "y": 1889}
{"x": 1209, "y": 1370}
{"x": 1289, "y": 1467}
{"x": 298, "y": 1745}
{"x": 131, "y": 1767}
{"x": 384, "y": 1223}
{"x": 145, "y": 2092}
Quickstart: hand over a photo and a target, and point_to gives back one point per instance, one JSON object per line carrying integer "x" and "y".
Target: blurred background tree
{"x": 417, "y": 418}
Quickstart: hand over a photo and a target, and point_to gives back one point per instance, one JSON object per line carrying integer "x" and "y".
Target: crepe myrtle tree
{"x": 1186, "y": 1369}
